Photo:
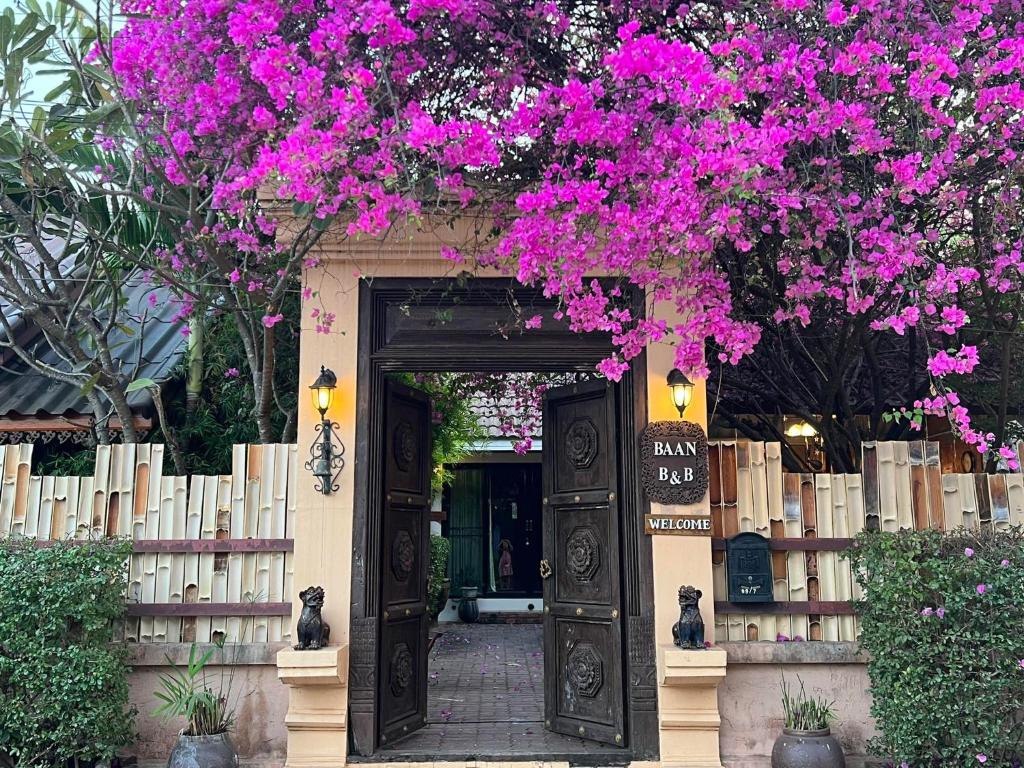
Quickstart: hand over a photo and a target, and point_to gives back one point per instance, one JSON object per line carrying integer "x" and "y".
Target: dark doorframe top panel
{"x": 432, "y": 325}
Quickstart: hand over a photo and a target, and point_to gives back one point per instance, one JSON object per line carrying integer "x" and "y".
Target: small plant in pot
{"x": 187, "y": 692}
{"x": 806, "y": 740}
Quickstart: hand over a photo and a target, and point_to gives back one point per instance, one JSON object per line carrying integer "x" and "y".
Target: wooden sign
{"x": 749, "y": 565}
{"x": 674, "y": 462}
{"x": 678, "y": 525}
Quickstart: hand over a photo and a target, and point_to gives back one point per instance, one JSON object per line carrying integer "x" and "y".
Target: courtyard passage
{"x": 485, "y": 699}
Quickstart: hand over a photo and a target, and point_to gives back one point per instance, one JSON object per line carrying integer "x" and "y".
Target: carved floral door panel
{"x": 405, "y": 555}
{"x": 583, "y": 693}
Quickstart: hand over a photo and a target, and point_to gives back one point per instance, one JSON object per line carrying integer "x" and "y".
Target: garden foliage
{"x": 64, "y": 686}
{"x": 440, "y": 549}
{"x": 941, "y": 621}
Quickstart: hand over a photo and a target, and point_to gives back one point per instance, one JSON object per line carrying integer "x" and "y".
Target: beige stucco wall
{"x": 749, "y": 699}
{"x": 261, "y": 702}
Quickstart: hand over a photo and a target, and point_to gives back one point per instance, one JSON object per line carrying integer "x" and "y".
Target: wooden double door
{"x": 581, "y": 569}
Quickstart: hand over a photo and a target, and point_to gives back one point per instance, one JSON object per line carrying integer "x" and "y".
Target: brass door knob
{"x": 545, "y": 569}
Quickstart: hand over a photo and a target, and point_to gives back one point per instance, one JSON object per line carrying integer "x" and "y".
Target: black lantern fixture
{"x": 327, "y": 451}
{"x": 682, "y": 390}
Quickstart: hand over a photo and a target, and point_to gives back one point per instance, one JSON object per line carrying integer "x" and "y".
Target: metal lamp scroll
{"x": 326, "y": 454}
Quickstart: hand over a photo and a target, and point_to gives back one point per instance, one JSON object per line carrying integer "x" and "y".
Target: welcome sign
{"x": 674, "y": 462}
{"x": 678, "y": 525}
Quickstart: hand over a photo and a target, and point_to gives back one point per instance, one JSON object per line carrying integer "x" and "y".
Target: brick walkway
{"x": 485, "y": 700}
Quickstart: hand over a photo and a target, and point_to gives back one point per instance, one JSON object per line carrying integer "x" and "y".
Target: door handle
{"x": 545, "y": 569}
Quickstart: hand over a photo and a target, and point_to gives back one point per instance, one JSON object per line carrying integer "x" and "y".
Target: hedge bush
{"x": 64, "y": 685}
{"x": 943, "y": 620}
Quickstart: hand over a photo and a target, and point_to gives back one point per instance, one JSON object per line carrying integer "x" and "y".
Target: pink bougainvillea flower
{"x": 969, "y": 552}
{"x": 982, "y": 758}
{"x": 231, "y": 373}
{"x": 940, "y": 612}
{"x": 981, "y": 588}
{"x": 1005, "y": 563}
{"x": 269, "y": 321}
{"x": 663, "y": 159}
{"x": 927, "y": 611}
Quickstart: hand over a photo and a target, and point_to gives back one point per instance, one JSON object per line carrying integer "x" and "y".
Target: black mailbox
{"x": 749, "y": 566}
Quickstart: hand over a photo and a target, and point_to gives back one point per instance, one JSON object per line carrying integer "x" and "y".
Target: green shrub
{"x": 942, "y": 620}
{"x": 440, "y": 548}
{"x": 64, "y": 686}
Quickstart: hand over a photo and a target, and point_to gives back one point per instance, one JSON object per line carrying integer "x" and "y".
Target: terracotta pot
{"x": 215, "y": 751}
{"x": 807, "y": 749}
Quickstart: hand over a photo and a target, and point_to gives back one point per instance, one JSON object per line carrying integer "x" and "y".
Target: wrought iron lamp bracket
{"x": 326, "y": 457}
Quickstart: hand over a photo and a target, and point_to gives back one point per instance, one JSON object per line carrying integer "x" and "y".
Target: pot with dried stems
{"x": 806, "y": 740}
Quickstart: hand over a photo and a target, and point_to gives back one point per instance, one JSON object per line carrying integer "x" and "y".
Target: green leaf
{"x": 138, "y": 384}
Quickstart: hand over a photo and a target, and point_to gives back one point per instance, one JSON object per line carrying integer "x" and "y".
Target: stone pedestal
{"x": 317, "y": 705}
{"x": 689, "y": 720}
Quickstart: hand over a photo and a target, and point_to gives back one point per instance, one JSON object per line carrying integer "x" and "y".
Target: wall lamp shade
{"x": 326, "y": 454}
{"x": 323, "y": 390}
{"x": 681, "y": 388}
{"x": 801, "y": 429}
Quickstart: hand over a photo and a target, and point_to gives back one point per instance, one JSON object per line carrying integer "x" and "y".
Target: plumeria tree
{"x": 868, "y": 153}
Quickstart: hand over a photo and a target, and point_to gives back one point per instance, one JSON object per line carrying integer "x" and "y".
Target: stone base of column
{"x": 688, "y": 715}
{"x": 316, "y": 719}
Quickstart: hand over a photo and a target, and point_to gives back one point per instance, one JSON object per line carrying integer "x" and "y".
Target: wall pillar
{"x": 316, "y": 706}
{"x": 688, "y": 719}
{"x": 318, "y": 695}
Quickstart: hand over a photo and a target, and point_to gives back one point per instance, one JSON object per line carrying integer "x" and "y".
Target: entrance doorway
{"x": 596, "y": 643}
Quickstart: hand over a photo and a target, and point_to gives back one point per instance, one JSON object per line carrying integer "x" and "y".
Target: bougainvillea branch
{"x": 874, "y": 148}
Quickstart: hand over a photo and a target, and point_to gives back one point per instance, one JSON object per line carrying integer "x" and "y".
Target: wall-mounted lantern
{"x": 682, "y": 390}
{"x": 327, "y": 451}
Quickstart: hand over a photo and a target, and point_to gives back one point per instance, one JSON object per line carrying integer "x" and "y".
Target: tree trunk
{"x": 177, "y": 455}
{"x": 196, "y": 364}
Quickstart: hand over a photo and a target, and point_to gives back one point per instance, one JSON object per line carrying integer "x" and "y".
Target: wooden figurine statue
{"x": 688, "y": 632}
{"x": 313, "y": 632}
{"x": 505, "y": 564}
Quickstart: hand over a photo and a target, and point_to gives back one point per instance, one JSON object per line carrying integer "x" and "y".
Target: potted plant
{"x": 806, "y": 740}
{"x": 187, "y": 692}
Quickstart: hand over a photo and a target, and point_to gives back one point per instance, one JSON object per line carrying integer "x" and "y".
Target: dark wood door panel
{"x": 589, "y": 703}
{"x": 403, "y": 560}
{"x": 408, "y": 433}
{"x": 583, "y": 565}
{"x": 584, "y": 693}
{"x": 404, "y": 556}
{"x": 580, "y": 443}
{"x": 404, "y": 682}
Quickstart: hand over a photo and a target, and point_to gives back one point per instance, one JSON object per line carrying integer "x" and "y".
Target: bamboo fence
{"x": 212, "y": 555}
{"x": 810, "y": 518}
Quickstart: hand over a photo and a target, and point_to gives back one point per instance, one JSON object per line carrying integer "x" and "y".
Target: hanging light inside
{"x": 681, "y": 388}
{"x": 801, "y": 429}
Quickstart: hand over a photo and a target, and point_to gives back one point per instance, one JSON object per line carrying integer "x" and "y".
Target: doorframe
{"x": 416, "y": 350}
